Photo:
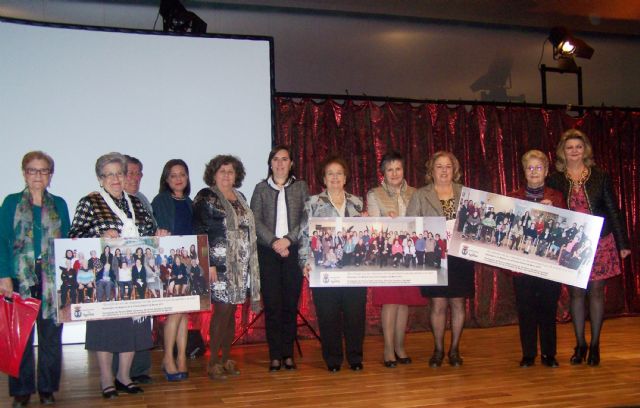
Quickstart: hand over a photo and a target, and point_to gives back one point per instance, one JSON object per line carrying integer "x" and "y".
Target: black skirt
{"x": 461, "y": 280}
{"x": 119, "y": 335}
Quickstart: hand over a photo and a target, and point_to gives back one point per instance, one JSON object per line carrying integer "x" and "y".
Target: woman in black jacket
{"x": 588, "y": 189}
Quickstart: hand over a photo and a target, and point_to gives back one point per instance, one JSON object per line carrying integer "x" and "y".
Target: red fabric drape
{"x": 489, "y": 142}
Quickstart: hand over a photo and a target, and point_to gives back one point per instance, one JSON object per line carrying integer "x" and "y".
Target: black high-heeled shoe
{"x": 289, "y": 364}
{"x": 454, "y": 358}
{"x": 579, "y": 354}
{"x": 109, "y": 392}
{"x": 403, "y": 360}
{"x": 131, "y": 388}
{"x": 275, "y": 367}
{"x": 594, "y": 355}
{"x": 436, "y": 359}
{"x": 390, "y": 363}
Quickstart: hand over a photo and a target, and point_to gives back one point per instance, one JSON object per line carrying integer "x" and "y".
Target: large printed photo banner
{"x": 100, "y": 278}
{"x": 377, "y": 251}
{"x": 523, "y": 236}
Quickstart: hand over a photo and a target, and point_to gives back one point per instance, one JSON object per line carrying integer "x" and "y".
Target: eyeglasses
{"x": 531, "y": 169}
{"x": 113, "y": 175}
{"x": 32, "y": 172}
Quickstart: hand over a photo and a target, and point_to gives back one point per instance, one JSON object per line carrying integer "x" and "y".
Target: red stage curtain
{"x": 489, "y": 142}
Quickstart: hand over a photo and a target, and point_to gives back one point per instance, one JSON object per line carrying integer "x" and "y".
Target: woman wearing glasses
{"x": 28, "y": 220}
{"x": 537, "y": 298}
{"x": 112, "y": 213}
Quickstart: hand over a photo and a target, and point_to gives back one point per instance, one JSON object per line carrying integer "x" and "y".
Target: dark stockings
{"x": 595, "y": 291}
{"x": 439, "y": 321}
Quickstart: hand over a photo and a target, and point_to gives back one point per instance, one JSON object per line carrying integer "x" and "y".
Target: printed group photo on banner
{"x": 100, "y": 278}
{"x": 525, "y": 236}
{"x": 378, "y": 251}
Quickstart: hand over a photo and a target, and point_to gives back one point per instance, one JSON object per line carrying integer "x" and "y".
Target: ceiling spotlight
{"x": 176, "y": 18}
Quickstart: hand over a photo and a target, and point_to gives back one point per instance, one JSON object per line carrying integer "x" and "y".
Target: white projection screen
{"x": 79, "y": 92}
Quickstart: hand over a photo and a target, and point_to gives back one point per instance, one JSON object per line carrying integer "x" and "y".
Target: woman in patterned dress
{"x": 112, "y": 213}
{"x": 223, "y": 214}
{"x": 588, "y": 189}
{"x": 440, "y": 198}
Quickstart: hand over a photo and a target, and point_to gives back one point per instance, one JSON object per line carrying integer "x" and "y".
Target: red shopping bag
{"x": 17, "y": 317}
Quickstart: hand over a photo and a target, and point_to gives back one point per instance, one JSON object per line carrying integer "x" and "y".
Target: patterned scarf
{"x": 24, "y": 262}
{"x": 233, "y": 251}
{"x": 401, "y": 198}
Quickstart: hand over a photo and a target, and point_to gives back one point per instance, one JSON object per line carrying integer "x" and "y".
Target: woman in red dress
{"x": 588, "y": 189}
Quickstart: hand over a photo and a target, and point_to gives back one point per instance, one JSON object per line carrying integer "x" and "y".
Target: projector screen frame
{"x": 267, "y": 38}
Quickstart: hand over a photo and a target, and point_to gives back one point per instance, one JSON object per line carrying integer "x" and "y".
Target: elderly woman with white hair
{"x": 111, "y": 213}
{"x": 537, "y": 298}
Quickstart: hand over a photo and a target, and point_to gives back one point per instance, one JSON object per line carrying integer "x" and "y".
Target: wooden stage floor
{"x": 490, "y": 377}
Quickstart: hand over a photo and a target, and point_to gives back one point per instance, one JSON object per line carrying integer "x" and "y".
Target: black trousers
{"x": 537, "y": 303}
{"x": 341, "y": 311}
{"x": 49, "y": 357}
{"x": 280, "y": 283}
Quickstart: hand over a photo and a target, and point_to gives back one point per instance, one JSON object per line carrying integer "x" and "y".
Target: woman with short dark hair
{"x": 278, "y": 206}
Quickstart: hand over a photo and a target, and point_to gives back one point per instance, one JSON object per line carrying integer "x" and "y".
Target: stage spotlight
{"x": 566, "y": 47}
{"x": 176, "y": 18}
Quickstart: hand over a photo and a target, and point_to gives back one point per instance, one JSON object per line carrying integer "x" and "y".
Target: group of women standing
{"x": 257, "y": 250}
